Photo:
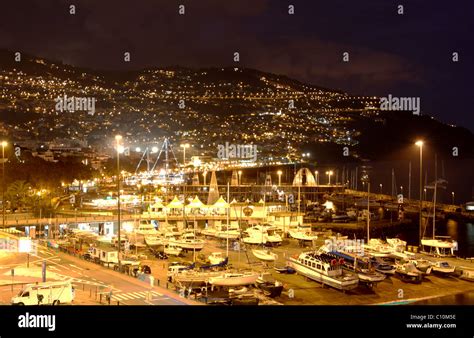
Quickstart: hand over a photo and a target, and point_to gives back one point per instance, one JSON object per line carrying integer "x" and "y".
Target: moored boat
{"x": 360, "y": 265}
{"x": 302, "y": 235}
{"x": 216, "y": 258}
{"x": 423, "y": 265}
{"x": 228, "y": 232}
{"x": 443, "y": 268}
{"x": 382, "y": 266}
{"x": 189, "y": 242}
{"x": 397, "y": 244}
{"x": 324, "y": 269}
{"x": 265, "y": 255}
{"x": 441, "y": 246}
{"x": 261, "y": 234}
{"x": 286, "y": 270}
{"x": 172, "y": 250}
{"x": 409, "y": 273}
{"x": 234, "y": 279}
{"x": 271, "y": 289}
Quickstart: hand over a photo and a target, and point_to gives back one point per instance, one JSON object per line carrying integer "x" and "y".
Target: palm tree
{"x": 17, "y": 193}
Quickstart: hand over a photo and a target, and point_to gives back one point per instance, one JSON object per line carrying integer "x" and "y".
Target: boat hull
{"x": 264, "y": 256}
{"x": 233, "y": 281}
{"x": 348, "y": 283}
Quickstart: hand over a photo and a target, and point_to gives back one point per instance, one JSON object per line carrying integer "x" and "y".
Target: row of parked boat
{"x": 171, "y": 237}
{"x": 345, "y": 270}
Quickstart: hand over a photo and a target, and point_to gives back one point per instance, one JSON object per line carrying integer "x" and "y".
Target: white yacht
{"x": 225, "y": 231}
{"x": 423, "y": 265}
{"x": 172, "y": 249}
{"x": 397, "y": 244}
{"x": 265, "y": 255}
{"x": 441, "y": 246}
{"x": 170, "y": 229}
{"x": 443, "y": 268}
{"x": 378, "y": 248}
{"x": 234, "y": 279}
{"x": 302, "y": 235}
{"x": 324, "y": 269}
{"x": 408, "y": 272}
{"x": 154, "y": 241}
{"x": 145, "y": 228}
{"x": 189, "y": 242}
{"x": 193, "y": 278}
{"x": 261, "y": 235}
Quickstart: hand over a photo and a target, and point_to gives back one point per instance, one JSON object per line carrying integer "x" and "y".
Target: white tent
{"x": 221, "y": 203}
{"x": 195, "y": 203}
{"x": 157, "y": 205}
{"x": 175, "y": 204}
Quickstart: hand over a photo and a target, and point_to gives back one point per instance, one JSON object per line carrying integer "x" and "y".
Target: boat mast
{"x": 409, "y": 180}
{"x": 368, "y": 212}
{"x": 228, "y": 208}
{"x": 434, "y": 209}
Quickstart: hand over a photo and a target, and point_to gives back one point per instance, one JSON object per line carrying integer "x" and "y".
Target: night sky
{"x": 403, "y": 55}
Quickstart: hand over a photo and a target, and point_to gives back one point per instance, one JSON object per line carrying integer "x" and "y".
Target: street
{"x": 89, "y": 279}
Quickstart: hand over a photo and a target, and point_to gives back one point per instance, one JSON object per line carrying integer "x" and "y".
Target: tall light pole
{"x": 381, "y": 185}
{"x": 329, "y": 173}
{"x": 184, "y": 146}
{"x": 4, "y": 144}
{"x": 368, "y": 211}
{"x": 117, "y": 139}
{"x": 420, "y": 144}
{"x": 401, "y": 189}
{"x": 452, "y": 194}
{"x": 279, "y": 172}
{"x": 240, "y": 177}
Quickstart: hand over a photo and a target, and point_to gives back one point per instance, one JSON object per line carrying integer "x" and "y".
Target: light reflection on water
{"x": 466, "y": 298}
{"x": 462, "y": 232}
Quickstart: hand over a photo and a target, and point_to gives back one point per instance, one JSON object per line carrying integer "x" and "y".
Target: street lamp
{"x": 4, "y": 144}
{"x": 381, "y": 185}
{"x": 117, "y": 139}
{"x": 329, "y": 173}
{"x": 420, "y": 144}
{"x": 401, "y": 188}
{"x": 279, "y": 172}
{"x": 184, "y": 146}
{"x": 317, "y": 177}
{"x": 452, "y": 194}
{"x": 366, "y": 179}
{"x": 240, "y": 177}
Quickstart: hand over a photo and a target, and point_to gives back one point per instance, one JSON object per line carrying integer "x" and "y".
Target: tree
{"x": 18, "y": 193}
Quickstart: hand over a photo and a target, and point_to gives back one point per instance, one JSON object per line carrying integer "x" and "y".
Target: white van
{"x": 49, "y": 293}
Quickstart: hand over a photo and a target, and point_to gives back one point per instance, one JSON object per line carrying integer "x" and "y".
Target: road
{"x": 126, "y": 290}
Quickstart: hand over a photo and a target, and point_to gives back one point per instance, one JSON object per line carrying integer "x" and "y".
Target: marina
{"x": 223, "y": 264}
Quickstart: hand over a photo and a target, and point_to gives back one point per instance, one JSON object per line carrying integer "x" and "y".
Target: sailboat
{"x": 234, "y": 279}
{"x": 441, "y": 246}
{"x": 265, "y": 255}
{"x": 302, "y": 235}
